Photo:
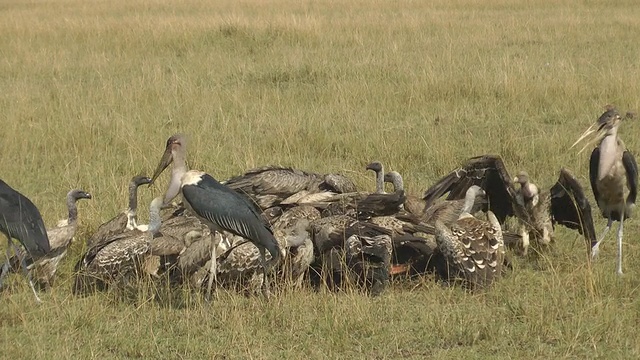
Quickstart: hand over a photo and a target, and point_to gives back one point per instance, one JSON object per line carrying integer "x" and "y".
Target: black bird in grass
{"x": 613, "y": 172}
{"x": 20, "y": 219}
{"x": 216, "y": 205}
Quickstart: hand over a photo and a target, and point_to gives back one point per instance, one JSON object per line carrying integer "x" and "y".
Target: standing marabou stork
{"x": 20, "y": 219}
{"x": 613, "y": 172}
{"x": 215, "y": 204}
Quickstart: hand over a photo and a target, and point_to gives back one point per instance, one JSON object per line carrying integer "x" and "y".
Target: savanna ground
{"x": 92, "y": 89}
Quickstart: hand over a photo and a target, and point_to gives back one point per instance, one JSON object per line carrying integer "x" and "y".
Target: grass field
{"x": 92, "y": 89}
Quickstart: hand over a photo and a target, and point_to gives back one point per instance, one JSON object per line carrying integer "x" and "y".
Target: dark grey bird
{"x": 216, "y": 205}
{"x": 20, "y": 219}
{"x": 613, "y": 172}
{"x": 60, "y": 237}
{"x": 565, "y": 203}
{"x": 126, "y": 220}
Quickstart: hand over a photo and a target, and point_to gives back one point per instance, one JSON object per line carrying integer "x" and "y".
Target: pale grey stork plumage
{"x": 613, "y": 172}
{"x": 20, "y": 219}
{"x": 216, "y": 205}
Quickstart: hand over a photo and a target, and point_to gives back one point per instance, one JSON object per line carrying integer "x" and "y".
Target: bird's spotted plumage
{"x": 474, "y": 250}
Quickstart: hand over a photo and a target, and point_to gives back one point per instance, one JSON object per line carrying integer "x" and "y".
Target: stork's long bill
{"x": 165, "y": 161}
{"x": 600, "y": 132}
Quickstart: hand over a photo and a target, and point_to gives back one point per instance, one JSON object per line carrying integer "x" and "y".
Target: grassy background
{"x": 92, "y": 89}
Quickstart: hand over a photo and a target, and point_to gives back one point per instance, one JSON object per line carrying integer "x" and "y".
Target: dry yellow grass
{"x": 91, "y": 90}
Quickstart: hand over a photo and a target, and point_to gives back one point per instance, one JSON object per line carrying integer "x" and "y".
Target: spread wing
{"x": 570, "y": 207}
{"x": 488, "y": 172}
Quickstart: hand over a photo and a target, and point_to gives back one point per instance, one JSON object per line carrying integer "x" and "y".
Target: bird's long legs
{"x": 596, "y": 248}
{"x": 620, "y": 243}
{"x": 213, "y": 271}
{"x": 26, "y": 273}
{"x": 23, "y": 265}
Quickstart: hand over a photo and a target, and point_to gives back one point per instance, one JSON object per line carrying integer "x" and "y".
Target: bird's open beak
{"x": 166, "y": 160}
{"x": 591, "y": 130}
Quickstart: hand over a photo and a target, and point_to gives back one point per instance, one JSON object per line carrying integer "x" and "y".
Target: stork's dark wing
{"x": 631, "y": 167}
{"x": 570, "y": 207}
{"x": 21, "y": 219}
{"x": 488, "y": 172}
{"x": 594, "y": 163}
{"x": 229, "y": 210}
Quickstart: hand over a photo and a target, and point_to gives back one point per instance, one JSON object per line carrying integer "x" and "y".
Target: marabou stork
{"x": 20, "y": 219}
{"x": 613, "y": 172}
{"x": 216, "y": 205}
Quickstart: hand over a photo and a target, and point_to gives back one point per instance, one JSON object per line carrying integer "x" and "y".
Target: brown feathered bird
{"x": 474, "y": 249}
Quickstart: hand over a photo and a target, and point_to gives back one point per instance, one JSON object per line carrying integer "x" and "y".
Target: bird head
{"x": 391, "y": 176}
{"x": 77, "y": 194}
{"x": 174, "y": 144}
{"x": 375, "y": 166}
{"x": 522, "y": 178}
{"x": 607, "y": 124}
{"x": 140, "y": 180}
{"x": 477, "y": 191}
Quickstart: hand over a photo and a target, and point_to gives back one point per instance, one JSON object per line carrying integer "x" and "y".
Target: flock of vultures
{"x": 278, "y": 226}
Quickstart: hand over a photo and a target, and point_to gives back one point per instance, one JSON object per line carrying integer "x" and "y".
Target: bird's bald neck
{"x": 608, "y": 145}
{"x": 469, "y": 200}
{"x": 177, "y": 171}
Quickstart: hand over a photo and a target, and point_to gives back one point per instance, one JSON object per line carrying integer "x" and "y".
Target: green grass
{"x": 92, "y": 89}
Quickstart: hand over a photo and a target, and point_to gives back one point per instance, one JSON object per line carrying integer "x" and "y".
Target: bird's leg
{"x": 620, "y": 243}
{"x": 525, "y": 240}
{"x": 596, "y": 248}
{"x": 265, "y": 278}
{"x": 213, "y": 271}
{"x": 7, "y": 264}
{"x": 26, "y": 272}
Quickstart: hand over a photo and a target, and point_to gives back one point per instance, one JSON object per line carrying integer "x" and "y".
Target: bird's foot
{"x": 619, "y": 272}
{"x": 595, "y": 251}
